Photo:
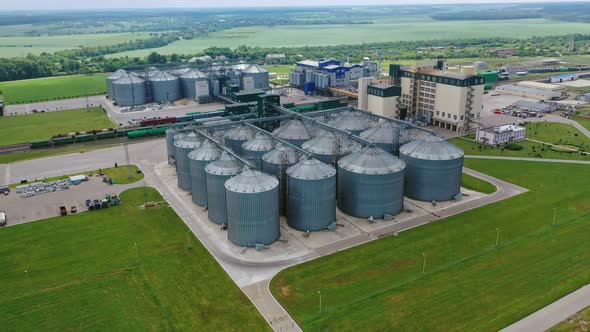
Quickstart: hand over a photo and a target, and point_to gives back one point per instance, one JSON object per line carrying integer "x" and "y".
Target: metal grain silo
{"x": 370, "y": 183}
{"x": 294, "y": 131}
{"x": 110, "y": 79}
{"x": 352, "y": 122}
{"x": 328, "y": 146}
{"x": 129, "y": 90}
{"x": 311, "y": 195}
{"x": 189, "y": 80}
{"x": 183, "y": 147}
{"x": 198, "y": 160}
{"x": 256, "y": 147}
{"x": 165, "y": 87}
{"x": 385, "y": 135}
{"x": 252, "y": 199}
{"x": 170, "y": 133}
{"x": 178, "y": 71}
{"x": 434, "y": 168}
{"x": 238, "y": 135}
{"x": 257, "y": 75}
{"x": 276, "y": 163}
{"x": 217, "y": 172}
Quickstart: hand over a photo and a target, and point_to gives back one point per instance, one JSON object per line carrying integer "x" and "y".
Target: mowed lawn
{"x": 41, "y": 126}
{"x": 557, "y": 133}
{"x": 469, "y": 284}
{"x": 121, "y": 268}
{"x": 473, "y": 183}
{"x": 52, "y": 88}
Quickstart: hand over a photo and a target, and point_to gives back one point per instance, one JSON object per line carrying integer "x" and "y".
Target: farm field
{"x": 21, "y": 46}
{"x": 469, "y": 284}
{"x": 41, "y": 126}
{"x": 52, "y": 88}
{"x": 530, "y": 150}
{"x": 473, "y": 183}
{"x": 416, "y": 28}
{"x": 121, "y": 268}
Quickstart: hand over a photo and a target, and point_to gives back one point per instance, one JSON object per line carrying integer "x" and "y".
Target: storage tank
{"x": 170, "y": 132}
{"x": 110, "y": 79}
{"x": 276, "y": 162}
{"x": 165, "y": 87}
{"x": 385, "y": 135}
{"x": 311, "y": 195}
{"x": 371, "y": 183}
{"x": 254, "y": 148}
{"x": 183, "y": 147}
{"x": 198, "y": 160}
{"x": 129, "y": 90}
{"x": 252, "y": 199}
{"x": 178, "y": 71}
{"x": 352, "y": 122}
{"x": 238, "y": 135}
{"x": 189, "y": 80}
{"x": 257, "y": 75}
{"x": 294, "y": 131}
{"x": 434, "y": 168}
{"x": 328, "y": 146}
{"x": 217, "y": 172}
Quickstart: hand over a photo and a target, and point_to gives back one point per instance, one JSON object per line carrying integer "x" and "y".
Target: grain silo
{"x": 252, "y": 199}
{"x": 256, "y": 147}
{"x": 110, "y": 79}
{"x": 198, "y": 160}
{"x": 328, "y": 146}
{"x": 275, "y": 163}
{"x": 352, "y": 122}
{"x": 385, "y": 135}
{"x": 370, "y": 183}
{"x": 236, "y": 136}
{"x": 189, "y": 81}
{"x": 129, "y": 90}
{"x": 165, "y": 87}
{"x": 434, "y": 168}
{"x": 178, "y": 71}
{"x": 170, "y": 132}
{"x": 217, "y": 172}
{"x": 183, "y": 147}
{"x": 294, "y": 131}
{"x": 254, "y": 77}
{"x": 311, "y": 195}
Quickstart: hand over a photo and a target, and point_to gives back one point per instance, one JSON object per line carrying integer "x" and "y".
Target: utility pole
{"x": 554, "y": 215}
{"x": 497, "y": 236}
{"x": 127, "y": 160}
{"x": 424, "y": 263}
{"x": 320, "y": 294}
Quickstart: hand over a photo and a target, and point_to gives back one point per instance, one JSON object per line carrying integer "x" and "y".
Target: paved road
{"x": 55, "y": 105}
{"x": 554, "y": 313}
{"x": 544, "y": 160}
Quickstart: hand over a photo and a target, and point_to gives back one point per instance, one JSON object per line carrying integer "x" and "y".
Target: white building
{"x": 563, "y": 78}
{"x": 524, "y": 91}
{"x": 500, "y": 134}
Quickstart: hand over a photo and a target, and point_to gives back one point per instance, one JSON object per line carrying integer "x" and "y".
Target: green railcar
{"x": 63, "y": 140}
{"x": 137, "y": 133}
{"x": 84, "y": 138}
{"x": 41, "y": 144}
{"x": 106, "y": 134}
{"x": 157, "y": 131}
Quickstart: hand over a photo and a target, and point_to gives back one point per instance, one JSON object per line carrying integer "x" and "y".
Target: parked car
{"x": 97, "y": 204}
{"x": 3, "y": 219}
{"x": 89, "y": 205}
{"x": 73, "y": 209}
{"x": 63, "y": 211}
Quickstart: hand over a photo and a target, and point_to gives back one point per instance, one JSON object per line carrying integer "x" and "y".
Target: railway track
{"x": 15, "y": 148}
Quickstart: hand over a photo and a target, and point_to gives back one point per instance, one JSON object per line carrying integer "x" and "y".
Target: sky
{"x": 119, "y": 4}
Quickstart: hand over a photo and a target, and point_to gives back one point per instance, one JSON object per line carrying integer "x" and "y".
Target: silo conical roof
{"x": 193, "y": 73}
{"x": 260, "y": 142}
{"x": 117, "y": 74}
{"x": 240, "y": 133}
{"x": 190, "y": 141}
{"x": 431, "y": 147}
{"x": 281, "y": 154}
{"x": 326, "y": 142}
{"x": 254, "y": 69}
{"x": 179, "y": 71}
{"x": 351, "y": 122}
{"x": 129, "y": 79}
{"x": 311, "y": 169}
{"x": 207, "y": 151}
{"x": 385, "y": 132}
{"x": 251, "y": 181}
{"x": 294, "y": 129}
{"x": 371, "y": 160}
{"x": 225, "y": 165}
{"x": 163, "y": 76}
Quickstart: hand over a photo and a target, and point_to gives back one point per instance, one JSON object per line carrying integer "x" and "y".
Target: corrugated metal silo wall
{"x": 280, "y": 172}
{"x": 166, "y": 90}
{"x": 311, "y": 204}
{"x": 216, "y": 206}
{"x": 198, "y": 181}
{"x": 130, "y": 94}
{"x": 253, "y": 218}
{"x": 254, "y": 156}
{"x": 188, "y": 87}
{"x": 432, "y": 180}
{"x": 364, "y": 195}
{"x": 183, "y": 171}
{"x": 110, "y": 91}
{"x": 170, "y": 150}
{"x": 235, "y": 145}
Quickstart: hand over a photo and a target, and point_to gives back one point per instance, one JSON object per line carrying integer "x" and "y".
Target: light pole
{"x": 136, "y": 253}
{"x": 554, "y": 214}
{"x": 188, "y": 240}
{"x": 424, "y": 263}
{"x": 497, "y": 236}
{"x": 320, "y": 294}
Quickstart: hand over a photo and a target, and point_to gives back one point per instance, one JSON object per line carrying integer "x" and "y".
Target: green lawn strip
{"x": 82, "y": 274}
{"x": 557, "y": 133}
{"x": 583, "y": 120}
{"x": 473, "y": 183}
{"x": 41, "y": 126}
{"x": 530, "y": 150}
{"x": 468, "y": 284}
{"x": 577, "y": 322}
{"x": 53, "y": 88}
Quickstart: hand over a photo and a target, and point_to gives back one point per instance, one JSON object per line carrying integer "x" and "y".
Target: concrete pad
{"x": 579, "y": 83}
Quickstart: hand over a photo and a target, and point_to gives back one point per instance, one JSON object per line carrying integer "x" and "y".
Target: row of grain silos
{"x": 367, "y": 182}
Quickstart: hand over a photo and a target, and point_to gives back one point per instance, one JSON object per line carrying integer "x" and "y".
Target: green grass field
{"x": 41, "y": 126}
{"x": 530, "y": 150}
{"x": 393, "y": 29}
{"x": 51, "y": 88}
{"x": 21, "y": 46}
{"x": 280, "y": 70}
{"x": 469, "y": 284}
{"x": 583, "y": 120}
{"x": 557, "y": 133}
{"x": 119, "y": 175}
{"x": 473, "y": 183}
{"x": 84, "y": 272}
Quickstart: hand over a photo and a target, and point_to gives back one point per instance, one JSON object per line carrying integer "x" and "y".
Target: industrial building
{"x": 532, "y": 106}
{"x": 540, "y": 85}
{"x": 535, "y": 93}
{"x": 248, "y": 176}
{"x": 563, "y": 78}
{"x": 311, "y": 75}
{"x": 500, "y": 134}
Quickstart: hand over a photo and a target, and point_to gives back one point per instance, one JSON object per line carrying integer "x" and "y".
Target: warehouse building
{"x": 534, "y": 93}
{"x": 540, "y": 85}
{"x": 534, "y": 106}
{"x": 500, "y": 134}
{"x": 563, "y": 78}
{"x": 324, "y": 74}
